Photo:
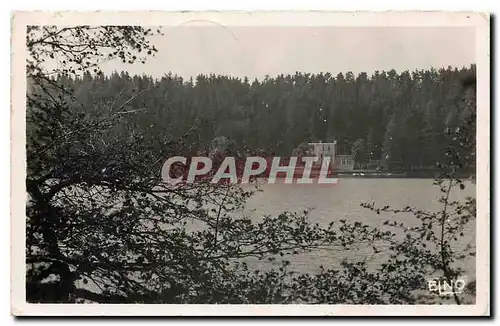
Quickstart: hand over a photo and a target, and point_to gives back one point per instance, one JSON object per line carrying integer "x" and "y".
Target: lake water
{"x": 342, "y": 201}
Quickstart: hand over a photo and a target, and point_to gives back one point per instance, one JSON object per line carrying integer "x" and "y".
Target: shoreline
{"x": 397, "y": 175}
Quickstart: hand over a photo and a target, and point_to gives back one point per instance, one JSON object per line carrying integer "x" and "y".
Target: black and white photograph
{"x": 250, "y": 163}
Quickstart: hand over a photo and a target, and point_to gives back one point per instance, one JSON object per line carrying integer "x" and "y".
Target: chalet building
{"x": 342, "y": 162}
{"x": 322, "y": 150}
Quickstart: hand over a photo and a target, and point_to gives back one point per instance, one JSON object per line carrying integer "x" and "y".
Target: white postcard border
{"x": 479, "y": 21}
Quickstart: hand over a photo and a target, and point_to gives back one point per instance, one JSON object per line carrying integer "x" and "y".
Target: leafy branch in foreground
{"x": 439, "y": 235}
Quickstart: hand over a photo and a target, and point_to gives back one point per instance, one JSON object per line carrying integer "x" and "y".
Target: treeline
{"x": 399, "y": 120}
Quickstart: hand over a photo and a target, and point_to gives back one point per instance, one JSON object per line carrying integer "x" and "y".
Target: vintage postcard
{"x": 250, "y": 163}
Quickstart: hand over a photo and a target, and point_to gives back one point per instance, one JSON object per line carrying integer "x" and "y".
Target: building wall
{"x": 344, "y": 162}
{"x": 323, "y": 149}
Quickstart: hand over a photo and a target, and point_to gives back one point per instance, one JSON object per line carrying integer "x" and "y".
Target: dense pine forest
{"x": 396, "y": 120}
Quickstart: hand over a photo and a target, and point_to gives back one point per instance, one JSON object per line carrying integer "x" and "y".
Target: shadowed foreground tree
{"x": 102, "y": 227}
{"x": 100, "y": 224}
{"x": 100, "y": 216}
